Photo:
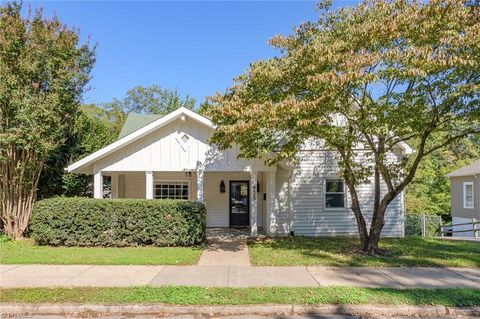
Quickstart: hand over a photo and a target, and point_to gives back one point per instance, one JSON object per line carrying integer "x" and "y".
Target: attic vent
{"x": 184, "y": 140}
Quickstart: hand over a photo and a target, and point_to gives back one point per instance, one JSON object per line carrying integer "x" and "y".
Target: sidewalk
{"x": 13, "y": 276}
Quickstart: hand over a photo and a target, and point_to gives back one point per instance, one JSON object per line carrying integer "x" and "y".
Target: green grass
{"x": 409, "y": 251}
{"x": 238, "y": 296}
{"x": 24, "y": 252}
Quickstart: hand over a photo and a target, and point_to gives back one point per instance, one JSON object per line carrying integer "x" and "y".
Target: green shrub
{"x": 80, "y": 221}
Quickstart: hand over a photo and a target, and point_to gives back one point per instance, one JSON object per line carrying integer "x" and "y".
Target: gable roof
{"x": 469, "y": 170}
{"x": 136, "y": 121}
{"x": 81, "y": 165}
{"x": 139, "y": 125}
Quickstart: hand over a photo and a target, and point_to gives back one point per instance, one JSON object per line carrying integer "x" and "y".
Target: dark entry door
{"x": 239, "y": 203}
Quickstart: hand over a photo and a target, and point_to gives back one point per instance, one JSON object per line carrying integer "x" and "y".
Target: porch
{"x": 232, "y": 198}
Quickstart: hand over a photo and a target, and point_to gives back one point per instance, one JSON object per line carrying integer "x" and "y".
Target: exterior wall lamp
{"x": 222, "y": 187}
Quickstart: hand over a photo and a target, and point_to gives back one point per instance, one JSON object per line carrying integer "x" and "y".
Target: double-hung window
{"x": 334, "y": 193}
{"x": 171, "y": 190}
{"x": 468, "y": 195}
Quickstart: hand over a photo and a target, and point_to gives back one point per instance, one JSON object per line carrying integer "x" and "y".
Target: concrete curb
{"x": 9, "y": 309}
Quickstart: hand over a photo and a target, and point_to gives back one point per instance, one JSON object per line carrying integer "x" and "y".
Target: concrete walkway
{"x": 235, "y": 276}
{"x": 226, "y": 248}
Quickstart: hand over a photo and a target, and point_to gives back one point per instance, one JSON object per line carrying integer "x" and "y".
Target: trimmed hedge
{"x": 77, "y": 221}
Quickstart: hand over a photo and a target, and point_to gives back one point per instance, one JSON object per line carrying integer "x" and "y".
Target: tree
{"x": 146, "y": 100}
{"x": 368, "y": 77}
{"x": 89, "y": 131}
{"x": 429, "y": 192}
{"x": 43, "y": 72}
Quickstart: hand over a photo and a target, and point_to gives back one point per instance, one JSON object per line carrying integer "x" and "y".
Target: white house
{"x": 170, "y": 157}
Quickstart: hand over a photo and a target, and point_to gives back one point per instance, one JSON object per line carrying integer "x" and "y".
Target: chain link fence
{"x": 422, "y": 225}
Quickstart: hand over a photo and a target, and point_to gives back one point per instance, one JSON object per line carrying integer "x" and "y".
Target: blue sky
{"x": 196, "y": 47}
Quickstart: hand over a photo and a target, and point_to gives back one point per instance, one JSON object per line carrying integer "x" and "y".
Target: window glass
{"x": 468, "y": 195}
{"x": 171, "y": 190}
{"x": 334, "y": 193}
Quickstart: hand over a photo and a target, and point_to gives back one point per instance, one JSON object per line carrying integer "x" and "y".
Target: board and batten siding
{"x": 311, "y": 218}
{"x": 164, "y": 151}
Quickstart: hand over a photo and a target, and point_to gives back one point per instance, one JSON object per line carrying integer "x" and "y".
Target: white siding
{"x": 281, "y": 222}
{"x": 135, "y": 185}
{"x": 311, "y": 218}
{"x": 218, "y": 203}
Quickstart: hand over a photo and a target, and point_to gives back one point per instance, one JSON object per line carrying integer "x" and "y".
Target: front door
{"x": 239, "y": 203}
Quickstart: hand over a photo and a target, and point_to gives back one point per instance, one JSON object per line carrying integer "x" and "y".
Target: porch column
{"x": 253, "y": 203}
{"x": 270, "y": 202}
{"x": 98, "y": 185}
{"x": 200, "y": 193}
{"x": 149, "y": 185}
{"x": 114, "y": 178}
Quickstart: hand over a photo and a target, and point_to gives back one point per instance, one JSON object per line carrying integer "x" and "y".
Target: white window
{"x": 334, "y": 193}
{"x": 468, "y": 195}
{"x": 171, "y": 190}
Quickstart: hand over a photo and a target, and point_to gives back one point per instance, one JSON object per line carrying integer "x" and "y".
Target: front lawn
{"x": 244, "y": 296}
{"x": 409, "y": 251}
{"x": 21, "y": 252}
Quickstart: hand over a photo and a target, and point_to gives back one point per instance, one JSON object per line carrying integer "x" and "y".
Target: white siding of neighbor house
{"x": 311, "y": 218}
{"x": 162, "y": 151}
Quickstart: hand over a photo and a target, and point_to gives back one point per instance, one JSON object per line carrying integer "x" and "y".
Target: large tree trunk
{"x": 20, "y": 171}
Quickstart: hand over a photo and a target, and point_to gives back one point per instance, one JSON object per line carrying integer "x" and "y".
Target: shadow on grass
{"x": 409, "y": 251}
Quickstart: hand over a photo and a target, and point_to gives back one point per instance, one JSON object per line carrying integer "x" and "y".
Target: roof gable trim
{"x": 136, "y": 135}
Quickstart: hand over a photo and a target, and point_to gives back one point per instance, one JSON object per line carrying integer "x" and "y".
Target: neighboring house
{"x": 465, "y": 193}
{"x": 170, "y": 157}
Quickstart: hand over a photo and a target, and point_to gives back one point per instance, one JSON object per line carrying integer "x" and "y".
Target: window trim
{"x": 465, "y": 185}
{"x": 325, "y": 194}
{"x": 166, "y": 181}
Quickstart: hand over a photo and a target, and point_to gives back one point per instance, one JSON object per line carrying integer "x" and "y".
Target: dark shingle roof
{"x": 469, "y": 170}
{"x": 136, "y": 121}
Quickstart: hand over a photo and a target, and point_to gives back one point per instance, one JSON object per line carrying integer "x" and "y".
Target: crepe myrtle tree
{"x": 43, "y": 73}
{"x": 365, "y": 78}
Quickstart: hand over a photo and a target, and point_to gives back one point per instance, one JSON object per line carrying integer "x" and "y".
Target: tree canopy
{"x": 43, "y": 72}
{"x": 146, "y": 100}
{"x": 366, "y": 78}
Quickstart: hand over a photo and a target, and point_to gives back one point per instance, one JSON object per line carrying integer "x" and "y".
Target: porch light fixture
{"x": 258, "y": 187}
{"x": 222, "y": 187}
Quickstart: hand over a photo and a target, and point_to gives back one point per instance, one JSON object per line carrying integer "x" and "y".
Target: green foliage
{"x": 429, "y": 192}
{"x": 146, "y": 100}
{"x": 90, "y": 131}
{"x": 120, "y": 222}
{"x": 43, "y": 73}
{"x": 4, "y": 239}
{"x": 414, "y": 224}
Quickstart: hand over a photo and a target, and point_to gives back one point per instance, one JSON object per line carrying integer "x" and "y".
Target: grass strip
{"x": 244, "y": 296}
